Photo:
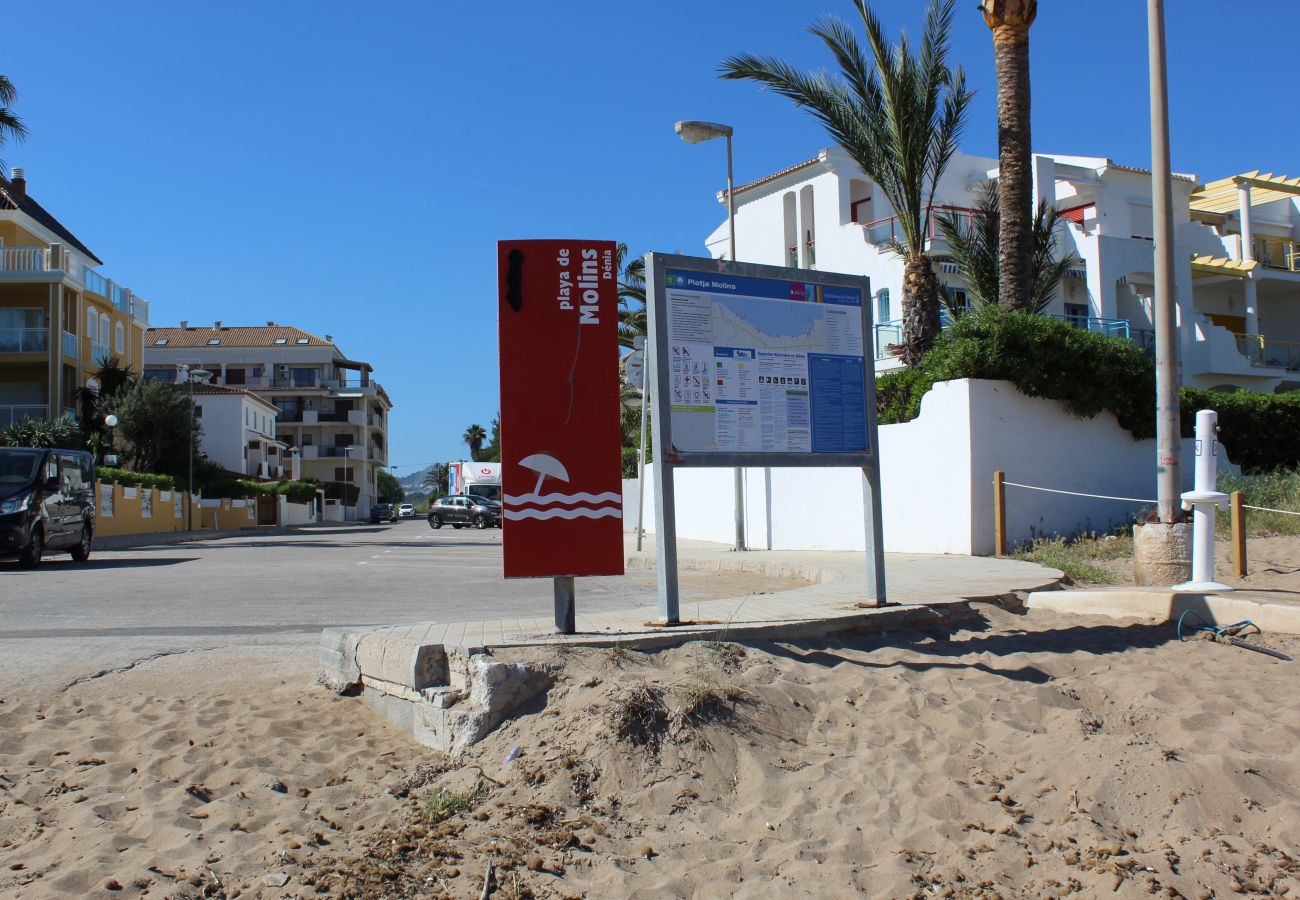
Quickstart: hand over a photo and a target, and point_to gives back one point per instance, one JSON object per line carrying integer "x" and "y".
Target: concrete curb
{"x": 1163, "y": 605}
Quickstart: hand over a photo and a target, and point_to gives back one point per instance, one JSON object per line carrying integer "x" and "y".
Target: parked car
{"x": 463, "y": 511}
{"x": 382, "y": 512}
{"x": 406, "y": 511}
{"x": 47, "y": 502}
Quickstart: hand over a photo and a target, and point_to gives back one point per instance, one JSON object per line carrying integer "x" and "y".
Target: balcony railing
{"x": 1109, "y": 327}
{"x": 24, "y": 340}
{"x": 889, "y": 335}
{"x": 70, "y": 345}
{"x": 98, "y": 352}
{"x": 1269, "y": 353}
{"x": 340, "y": 452}
{"x": 25, "y": 260}
{"x": 10, "y": 415}
{"x": 96, "y": 283}
{"x": 1277, "y": 253}
{"x": 882, "y": 231}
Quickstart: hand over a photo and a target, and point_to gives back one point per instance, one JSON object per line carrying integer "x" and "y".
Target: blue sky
{"x": 349, "y": 168}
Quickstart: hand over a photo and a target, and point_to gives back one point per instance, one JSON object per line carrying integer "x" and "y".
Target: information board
{"x": 763, "y": 364}
{"x": 759, "y": 366}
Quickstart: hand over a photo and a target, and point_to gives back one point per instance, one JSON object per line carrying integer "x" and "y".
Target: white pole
{"x": 640, "y": 477}
{"x": 731, "y": 246}
{"x": 1203, "y": 501}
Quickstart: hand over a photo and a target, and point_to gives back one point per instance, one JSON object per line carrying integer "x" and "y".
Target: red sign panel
{"x": 561, "y": 466}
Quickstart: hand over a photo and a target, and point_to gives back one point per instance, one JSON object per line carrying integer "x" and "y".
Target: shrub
{"x": 298, "y": 491}
{"x": 1043, "y": 357}
{"x": 1259, "y": 431}
{"x": 341, "y": 490}
{"x": 130, "y": 479}
{"x": 1088, "y": 373}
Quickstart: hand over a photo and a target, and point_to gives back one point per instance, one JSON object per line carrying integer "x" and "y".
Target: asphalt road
{"x": 71, "y": 620}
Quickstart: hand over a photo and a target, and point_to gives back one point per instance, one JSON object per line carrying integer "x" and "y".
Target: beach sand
{"x": 1011, "y": 755}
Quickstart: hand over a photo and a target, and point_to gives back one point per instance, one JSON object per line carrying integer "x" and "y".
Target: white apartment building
{"x": 239, "y": 432}
{"x": 1237, "y": 269}
{"x": 329, "y": 409}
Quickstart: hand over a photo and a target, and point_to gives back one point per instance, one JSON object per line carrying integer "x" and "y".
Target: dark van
{"x": 47, "y": 502}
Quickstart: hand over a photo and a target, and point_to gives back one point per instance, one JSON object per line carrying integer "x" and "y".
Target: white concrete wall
{"x": 295, "y": 513}
{"x": 937, "y": 480}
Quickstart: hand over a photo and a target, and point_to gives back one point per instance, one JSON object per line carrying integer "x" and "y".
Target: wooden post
{"x": 1238, "y": 534}
{"x": 999, "y": 514}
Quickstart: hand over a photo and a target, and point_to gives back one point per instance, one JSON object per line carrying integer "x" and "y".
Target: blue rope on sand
{"x": 1226, "y": 634}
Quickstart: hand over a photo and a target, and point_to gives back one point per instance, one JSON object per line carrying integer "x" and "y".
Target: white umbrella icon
{"x": 545, "y": 465}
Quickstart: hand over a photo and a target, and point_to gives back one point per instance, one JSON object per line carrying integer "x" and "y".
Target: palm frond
{"x": 1046, "y": 271}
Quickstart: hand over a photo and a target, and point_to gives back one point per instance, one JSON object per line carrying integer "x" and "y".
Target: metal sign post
{"x": 759, "y": 366}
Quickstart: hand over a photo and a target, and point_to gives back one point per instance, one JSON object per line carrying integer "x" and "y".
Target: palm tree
{"x": 976, "y": 247}
{"x": 474, "y": 436}
{"x": 1009, "y": 20}
{"x": 631, "y": 296}
{"x": 11, "y": 127}
{"x": 899, "y": 114}
{"x": 435, "y": 479}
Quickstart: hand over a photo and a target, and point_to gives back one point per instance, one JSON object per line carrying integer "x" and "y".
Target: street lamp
{"x": 693, "y": 132}
{"x": 110, "y": 421}
{"x": 189, "y": 375}
{"x": 347, "y": 475}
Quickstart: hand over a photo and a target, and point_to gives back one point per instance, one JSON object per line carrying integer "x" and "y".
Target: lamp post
{"x": 110, "y": 458}
{"x": 693, "y": 132}
{"x": 189, "y": 375}
{"x": 347, "y": 476}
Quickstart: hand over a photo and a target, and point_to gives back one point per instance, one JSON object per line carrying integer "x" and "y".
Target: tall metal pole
{"x": 731, "y": 246}
{"x": 1168, "y": 481}
{"x": 640, "y": 478}
{"x": 189, "y": 487}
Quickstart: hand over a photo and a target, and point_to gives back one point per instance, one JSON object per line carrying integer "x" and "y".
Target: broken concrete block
{"x": 495, "y": 690}
{"x": 337, "y": 654}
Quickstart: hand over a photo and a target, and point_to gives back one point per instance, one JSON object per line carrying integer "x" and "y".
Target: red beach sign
{"x": 561, "y": 469}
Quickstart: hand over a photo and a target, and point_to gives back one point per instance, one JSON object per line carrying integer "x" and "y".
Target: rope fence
{"x": 1285, "y": 512}
{"x": 1236, "y": 507}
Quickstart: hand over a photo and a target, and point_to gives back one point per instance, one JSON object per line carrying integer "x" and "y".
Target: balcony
{"x": 1268, "y": 353}
{"x": 1277, "y": 253}
{"x": 882, "y": 231}
{"x": 25, "y": 261}
{"x": 10, "y": 415}
{"x": 339, "y": 452}
{"x": 24, "y": 340}
{"x": 888, "y": 336}
{"x": 70, "y": 345}
{"x": 96, "y": 283}
{"x": 99, "y": 353}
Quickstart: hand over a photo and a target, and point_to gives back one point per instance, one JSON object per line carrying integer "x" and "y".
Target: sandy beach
{"x": 1010, "y": 755}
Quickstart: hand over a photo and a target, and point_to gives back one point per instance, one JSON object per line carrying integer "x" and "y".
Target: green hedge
{"x": 1043, "y": 357}
{"x": 126, "y": 477}
{"x": 296, "y": 491}
{"x": 341, "y": 490}
{"x": 1261, "y": 432}
{"x": 1089, "y": 373}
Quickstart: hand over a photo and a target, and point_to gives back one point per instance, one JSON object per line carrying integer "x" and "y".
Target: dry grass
{"x": 638, "y": 714}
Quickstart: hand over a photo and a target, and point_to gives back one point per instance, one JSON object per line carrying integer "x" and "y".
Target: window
{"x": 198, "y": 411}
{"x": 281, "y": 341}
{"x": 882, "y": 306}
{"x": 234, "y": 376}
{"x": 1076, "y": 314}
{"x": 306, "y": 440}
{"x": 161, "y": 342}
{"x": 301, "y": 341}
{"x": 103, "y": 329}
{"x": 119, "y": 337}
{"x": 212, "y": 342}
{"x": 92, "y": 325}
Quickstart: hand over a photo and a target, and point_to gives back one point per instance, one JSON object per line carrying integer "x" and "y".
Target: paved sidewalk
{"x": 914, "y": 583}
{"x": 130, "y": 541}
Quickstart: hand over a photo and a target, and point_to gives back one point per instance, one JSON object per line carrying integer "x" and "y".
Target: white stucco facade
{"x": 1238, "y": 301}
{"x": 239, "y": 433}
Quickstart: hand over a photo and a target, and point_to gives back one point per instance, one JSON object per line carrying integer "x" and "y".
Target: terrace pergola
{"x": 1239, "y": 193}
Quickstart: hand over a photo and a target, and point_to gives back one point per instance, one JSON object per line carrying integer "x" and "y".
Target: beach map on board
{"x": 765, "y": 365}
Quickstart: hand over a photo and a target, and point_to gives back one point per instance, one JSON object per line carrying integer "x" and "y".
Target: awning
{"x": 1220, "y": 196}
{"x": 1222, "y": 265}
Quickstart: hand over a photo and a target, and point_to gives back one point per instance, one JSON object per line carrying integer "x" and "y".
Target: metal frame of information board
{"x": 666, "y": 459}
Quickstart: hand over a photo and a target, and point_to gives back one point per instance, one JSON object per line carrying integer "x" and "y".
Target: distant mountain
{"x": 414, "y": 481}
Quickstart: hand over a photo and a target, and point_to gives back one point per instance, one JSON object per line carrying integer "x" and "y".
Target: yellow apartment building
{"x": 59, "y": 317}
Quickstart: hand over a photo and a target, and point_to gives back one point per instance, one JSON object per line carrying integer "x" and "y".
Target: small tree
{"x": 390, "y": 488}
{"x": 155, "y": 425}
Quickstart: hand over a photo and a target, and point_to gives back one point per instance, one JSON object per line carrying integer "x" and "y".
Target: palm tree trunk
{"x": 920, "y": 309}
{"x": 1015, "y": 165}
